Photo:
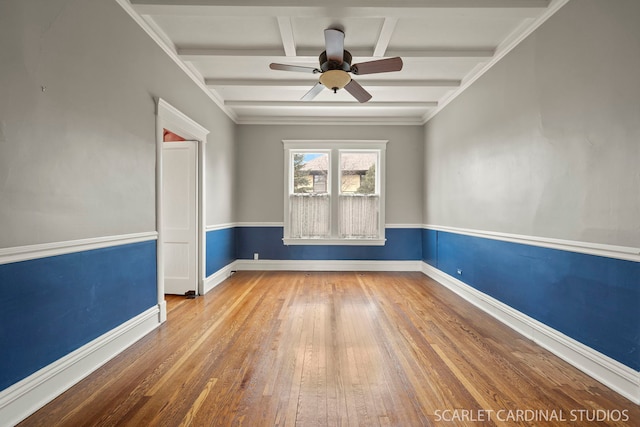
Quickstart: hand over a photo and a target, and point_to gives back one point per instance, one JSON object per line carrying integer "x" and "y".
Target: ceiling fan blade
{"x": 358, "y": 92}
{"x": 379, "y": 66}
{"x": 298, "y": 68}
{"x": 313, "y": 92}
{"x": 334, "y": 44}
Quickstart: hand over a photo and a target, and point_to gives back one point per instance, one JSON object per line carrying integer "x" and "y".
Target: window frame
{"x": 334, "y": 147}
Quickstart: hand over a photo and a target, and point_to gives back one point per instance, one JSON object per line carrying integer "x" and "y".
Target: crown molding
{"x": 513, "y": 40}
{"x": 162, "y": 40}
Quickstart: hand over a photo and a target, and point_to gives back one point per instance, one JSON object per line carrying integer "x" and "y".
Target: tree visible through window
{"x": 368, "y": 181}
{"x": 300, "y": 178}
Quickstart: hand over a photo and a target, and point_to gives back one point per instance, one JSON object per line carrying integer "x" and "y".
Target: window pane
{"x": 358, "y": 172}
{"x": 310, "y": 172}
{"x": 309, "y": 205}
{"x": 359, "y": 201}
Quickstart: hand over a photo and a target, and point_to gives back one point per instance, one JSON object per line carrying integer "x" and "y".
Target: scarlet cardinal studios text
{"x": 529, "y": 415}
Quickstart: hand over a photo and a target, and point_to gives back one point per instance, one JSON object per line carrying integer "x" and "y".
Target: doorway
{"x": 180, "y": 151}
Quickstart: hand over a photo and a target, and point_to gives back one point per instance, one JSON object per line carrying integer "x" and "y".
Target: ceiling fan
{"x": 335, "y": 66}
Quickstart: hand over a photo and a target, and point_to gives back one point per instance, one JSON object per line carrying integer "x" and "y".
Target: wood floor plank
{"x": 333, "y": 349}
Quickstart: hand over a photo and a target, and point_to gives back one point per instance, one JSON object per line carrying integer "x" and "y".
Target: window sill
{"x": 334, "y": 242}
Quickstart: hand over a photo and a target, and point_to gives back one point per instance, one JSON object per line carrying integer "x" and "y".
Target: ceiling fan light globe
{"x": 335, "y": 79}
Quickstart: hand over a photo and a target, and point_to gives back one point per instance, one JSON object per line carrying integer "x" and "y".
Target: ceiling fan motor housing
{"x": 326, "y": 65}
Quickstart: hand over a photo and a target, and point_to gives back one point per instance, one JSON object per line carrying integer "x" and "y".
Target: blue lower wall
{"x": 52, "y": 306}
{"x": 592, "y": 299}
{"x": 220, "y": 249}
{"x": 403, "y": 244}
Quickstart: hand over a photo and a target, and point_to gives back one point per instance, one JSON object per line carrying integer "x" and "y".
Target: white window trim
{"x": 323, "y": 145}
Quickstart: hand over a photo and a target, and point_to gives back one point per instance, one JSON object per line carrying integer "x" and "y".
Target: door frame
{"x": 172, "y": 119}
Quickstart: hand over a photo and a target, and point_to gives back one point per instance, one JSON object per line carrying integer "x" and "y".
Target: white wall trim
{"x": 220, "y": 226}
{"x": 179, "y": 123}
{"x": 43, "y": 250}
{"x": 281, "y": 224}
{"x": 609, "y": 251}
{"x": 25, "y": 397}
{"x": 326, "y": 265}
{"x": 608, "y": 371}
{"x": 259, "y": 224}
{"x": 219, "y": 276}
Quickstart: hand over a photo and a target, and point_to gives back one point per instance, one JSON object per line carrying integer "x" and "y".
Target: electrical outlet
{"x": 256, "y": 255}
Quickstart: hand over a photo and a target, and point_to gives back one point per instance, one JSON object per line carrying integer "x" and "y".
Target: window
{"x": 334, "y": 192}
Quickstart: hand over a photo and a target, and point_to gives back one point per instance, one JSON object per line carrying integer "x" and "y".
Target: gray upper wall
{"x": 547, "y": 143}
{"x": 260, "y": 168}
{"x": 77, "y": 159}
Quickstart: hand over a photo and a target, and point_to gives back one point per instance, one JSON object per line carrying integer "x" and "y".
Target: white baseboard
{"x": 162, "y": 311}
{"x": 218, "y": 277}
{"x": 30, "y": 394}
{"x": 608, "y": 371}
{"x": 302, "y": 265}
{"x": 327, "y": 265}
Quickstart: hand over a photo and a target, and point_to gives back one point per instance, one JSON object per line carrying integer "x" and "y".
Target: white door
{"x": 179, "y": 208}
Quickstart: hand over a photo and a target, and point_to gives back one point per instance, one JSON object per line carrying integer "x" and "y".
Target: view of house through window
{"x": 309, "y": 204}
{"x": 334, "y": 193}
{"x": 359, "y": 201}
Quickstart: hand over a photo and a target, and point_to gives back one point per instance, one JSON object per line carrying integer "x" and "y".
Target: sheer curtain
{"x": 310, "y": 215}
{"x": 359, "y": 216}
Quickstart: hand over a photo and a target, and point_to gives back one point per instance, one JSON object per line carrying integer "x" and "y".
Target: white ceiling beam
{"x": 308, "y": 55}
{"x": 304, "y": 83}
{"x": 352, "y": 3}
{"x": 311, "y": 8}
{"x": 442, "y": 53}
{"x": 352, "y": 119}
{"x": 367, "y": 4}
{"x": 212, "y": 53}
{"x": 385, "y": 36}
{"x": 286, "y": 33}
{"x": 298, "y": 104}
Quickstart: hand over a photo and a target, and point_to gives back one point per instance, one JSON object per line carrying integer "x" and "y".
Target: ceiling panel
{"x": 462, "y": 33}
{"x": 226, "y": 46}
{"x": 361, "y": 33}
{"x": 221, "y": 31}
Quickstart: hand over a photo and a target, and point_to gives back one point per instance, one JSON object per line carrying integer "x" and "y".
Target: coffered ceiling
{"x": 226, "y": 47}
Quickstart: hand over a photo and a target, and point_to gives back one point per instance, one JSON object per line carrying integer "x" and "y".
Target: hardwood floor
{"x": 330, "y": 349}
